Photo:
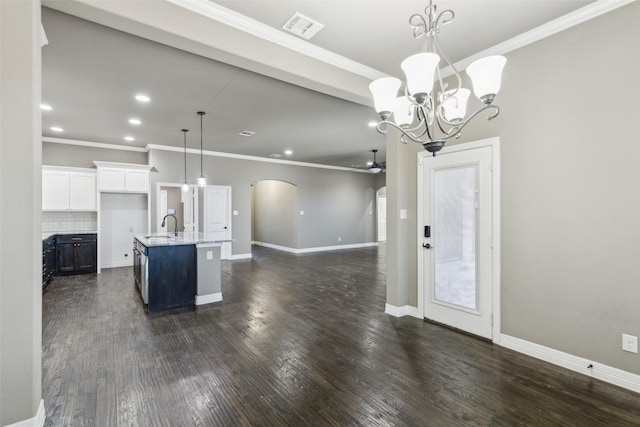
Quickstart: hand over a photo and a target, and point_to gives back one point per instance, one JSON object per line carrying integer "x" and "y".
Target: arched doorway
{"x": 274, "y": 219}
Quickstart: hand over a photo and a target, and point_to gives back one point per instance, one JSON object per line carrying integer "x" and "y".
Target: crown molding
{"x": 258, "y": 29}
{"x": 586, "y": 13}
{"x": 94, "y": 144}
{"x": 150, "y": 147}
{"x": 251, "y": 158}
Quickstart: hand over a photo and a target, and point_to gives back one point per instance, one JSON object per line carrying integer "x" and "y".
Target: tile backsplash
{"x": 69, "y": 221}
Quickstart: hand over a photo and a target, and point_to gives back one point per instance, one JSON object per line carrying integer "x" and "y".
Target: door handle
{"x": 427, "y": 246}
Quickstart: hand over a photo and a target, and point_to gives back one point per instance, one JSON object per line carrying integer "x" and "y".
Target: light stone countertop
{"x": 46, "y": 235}
{"x": 181, "y": 239}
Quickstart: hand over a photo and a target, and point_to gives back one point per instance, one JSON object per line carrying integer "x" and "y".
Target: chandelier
{"x": 420, "y": 115}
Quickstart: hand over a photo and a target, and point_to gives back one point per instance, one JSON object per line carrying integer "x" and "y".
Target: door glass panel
{"x": 455, "y": 228}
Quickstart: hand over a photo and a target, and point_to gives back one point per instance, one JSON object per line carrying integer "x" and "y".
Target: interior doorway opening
{"x": 274, "y": 218}
{"x": 183, "y": 204}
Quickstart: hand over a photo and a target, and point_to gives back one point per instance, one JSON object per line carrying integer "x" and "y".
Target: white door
{"x": 217, "y": 215}
{"x": 190, "y": 209}
{"x": 382, "y": 218}
{"x": 457, "y": 257}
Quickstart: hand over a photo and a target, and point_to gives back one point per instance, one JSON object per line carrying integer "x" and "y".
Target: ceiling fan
{"x": 374, "y": 166}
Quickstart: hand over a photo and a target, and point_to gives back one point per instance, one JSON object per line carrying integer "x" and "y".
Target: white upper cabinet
{"x": 64, "y": 190}
{"x": 55, "y": 190}
{"x": 123, "y": 177}
{"x": 111, "y": 179}
{"x": 136, "y": 180}
{"x": 82, "y": 191}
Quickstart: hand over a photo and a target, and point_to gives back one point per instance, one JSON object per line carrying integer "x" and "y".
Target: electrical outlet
{"x": 630, "y": 343}
{"x": 339, "y": 239}
{"x": 209, "y": 255}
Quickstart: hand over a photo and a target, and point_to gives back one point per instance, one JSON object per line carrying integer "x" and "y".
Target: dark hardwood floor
{"x": 298, "y": 340}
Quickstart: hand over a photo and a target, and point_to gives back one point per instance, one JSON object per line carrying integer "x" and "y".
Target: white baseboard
{"x": 599, "y": 371}
{"x": 209, "y": 298}
{"x": 116, "y": 264}
{"x": 316, "y": 249}
{"x": 405, "y": 310}
{"x": 240, "y": 256}
{"x": 338, "y": 247}
{"x": 278, "y": 247}
{"x": 37, "y": 421}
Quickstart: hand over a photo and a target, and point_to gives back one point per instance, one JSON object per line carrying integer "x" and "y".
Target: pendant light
{"x": 185, "y": 184}
{"x": 202, "y": 181}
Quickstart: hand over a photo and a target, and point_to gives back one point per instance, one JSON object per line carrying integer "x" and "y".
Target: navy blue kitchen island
{"x": 166, "y": 267}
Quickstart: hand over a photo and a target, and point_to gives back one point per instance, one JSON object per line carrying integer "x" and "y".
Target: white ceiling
{"x": 91, "y": 73}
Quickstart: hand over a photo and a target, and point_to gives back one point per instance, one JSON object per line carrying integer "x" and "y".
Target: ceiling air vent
{"x": 246, "y": 133}
{"x": 302, "y": 26}
{"x": 275, "y": 155}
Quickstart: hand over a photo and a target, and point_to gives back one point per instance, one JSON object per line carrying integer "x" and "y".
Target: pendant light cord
{"x": 201, "y": 113}
{"x": 185, "y": 154}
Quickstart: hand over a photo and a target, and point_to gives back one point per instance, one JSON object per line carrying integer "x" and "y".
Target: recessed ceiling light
{"x": 246, "y": 133}
{"x": 129, "y": 138}
{"x": 135, "y": 121}
{"x": 45, "y": 107}
{"x": 288, "y": 152}
{"x": 56, "y": 129}
{"x": 373, "y": 124}
{"x": 143, "y": 98}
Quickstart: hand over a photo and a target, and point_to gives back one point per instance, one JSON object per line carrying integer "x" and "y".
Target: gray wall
{"x": 275, "y": 213}
{"x": 55, "y": 154}
{"x": 336, "y": 203}
{"x": 20, "y": 212}
{"x": 570, "y": 191}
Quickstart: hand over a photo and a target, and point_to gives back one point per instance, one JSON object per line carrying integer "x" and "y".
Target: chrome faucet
{"x": 176, "y": 220}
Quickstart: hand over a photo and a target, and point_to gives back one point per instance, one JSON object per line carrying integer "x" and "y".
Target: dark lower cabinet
{"x": 76, "y": 253}
{"x": 48, "y": 260}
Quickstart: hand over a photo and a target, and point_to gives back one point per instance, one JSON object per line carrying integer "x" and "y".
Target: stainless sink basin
{"x": 158, "y": 236}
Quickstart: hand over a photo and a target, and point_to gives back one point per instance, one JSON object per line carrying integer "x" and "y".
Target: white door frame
{"x": 494, "y": 143}
{"x": 159, "y": 215}
{"x": 226, "y": 252}
{"x": 378, "y": 197}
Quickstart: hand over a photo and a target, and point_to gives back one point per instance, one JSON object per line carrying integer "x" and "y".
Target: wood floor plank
{"x": 298, "y": 340}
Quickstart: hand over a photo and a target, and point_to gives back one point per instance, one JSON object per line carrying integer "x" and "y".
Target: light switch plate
{"x": 235, "y": 213}
{"x": 630, "y": 343}
{"x": 301, "y": 212}
{"x": 403, "y": 214}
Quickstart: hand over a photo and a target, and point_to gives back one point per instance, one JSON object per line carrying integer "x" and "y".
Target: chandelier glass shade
{"x": 430, "y": 112}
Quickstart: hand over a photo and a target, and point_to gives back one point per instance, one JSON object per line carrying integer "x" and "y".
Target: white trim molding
{"x": 240, "y": 256}
{"x": 578, "y": 364}
{"x": 94, "y": 144}
{"x": 405, "y": 310}
{"x": 590, "y": 11}
{"x": 36, "y": 421}
{"x": 209, "y": 298}
{"x": 316, "y": 249}
{"x": 252, "y": 158}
